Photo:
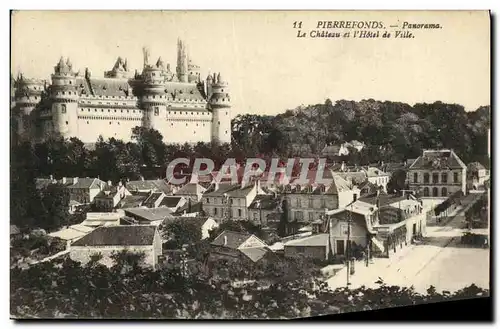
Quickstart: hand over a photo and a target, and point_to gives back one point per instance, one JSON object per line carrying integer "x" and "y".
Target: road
{"x": 441, "y": 262}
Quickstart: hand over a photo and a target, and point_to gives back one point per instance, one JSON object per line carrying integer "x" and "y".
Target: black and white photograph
{"x": 248, "y": 165}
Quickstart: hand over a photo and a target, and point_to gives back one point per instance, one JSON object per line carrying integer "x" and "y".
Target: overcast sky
{"x": 270, "y": 70}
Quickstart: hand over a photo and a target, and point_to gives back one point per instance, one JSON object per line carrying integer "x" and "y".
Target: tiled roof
{"x": 438, "y": 159}
{"x": 190, "y": 189}
{"x": 475, "y": 166}
{"x": 126, "y": 235}
{"x": 338, "y": 185}
{"x": 255, "y": 254}
{"x": 183, "y": 91}
{"x": 223, "y": 188}
{"x": 170, "y": 201}
{"x": 374, "y": 172}
{"x": 42, "y": 183}
{"x": 384, "y": 199}
{"x": 132, "y": 201}
{"x": 149, "y": 214}
{"x": 234, "y": 239}
{"x": 195, "y": 207}
{"x": 158, "y": 185}
{"x": 310, "y": 241}
{"x": 266, "y": 202}
{"x": 357, "y": 177}
{"x": 240, "y": 192}
{"x": 110, "y": 87}
{"x": 108, "y": 193}
{"x": 85, "y": 183}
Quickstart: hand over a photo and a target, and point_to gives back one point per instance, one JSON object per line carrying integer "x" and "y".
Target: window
{"x": 323, "y": 203}
{"x": 434, "y": 191}
{"x": 208, "y": 200}
{"x": 63, "y": 108}
{"x": 299, "y": 215}
{"x": 455, "y": 177}
{"x": 426, "y": 191}
{"x": 310, "y": 203}
{"x": 157, "y": 111}
{"x": 239, "y": 212}
{"x": 444, "y": 177}
{"x": 255, "y": 216}
{"x": 215, "y": 211}
{"x": 415, "y": 178}
{"x": 444, "y": 191}
{"x": 66, "y": 122}
{"x": 435, "y": 178}
{"x": 311, "y": 216}
{"x": 426, "y": 178}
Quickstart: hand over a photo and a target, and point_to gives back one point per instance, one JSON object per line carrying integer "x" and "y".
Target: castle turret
{"x": 182, "y": 62}
{"x": 220, "y": 103}
{"x": 27, "y": 95}
{"x": 194, "y": 72}
{"x": 155, "y": 97}
{"x": 64, "y": 96}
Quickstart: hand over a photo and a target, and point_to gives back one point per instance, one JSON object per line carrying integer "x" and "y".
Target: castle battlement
{"x": 182, "y": 106}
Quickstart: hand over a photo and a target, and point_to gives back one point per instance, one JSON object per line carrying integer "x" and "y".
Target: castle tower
{"x": 64, "y": 96}
{"x": 119, "y": 70}
{"x": 155, "y": 97}
{"x": 182, "y": 61}
{"x": 193, "y": 72}
{"x": 27, "y": 95}
{"x": 220, "y": 103}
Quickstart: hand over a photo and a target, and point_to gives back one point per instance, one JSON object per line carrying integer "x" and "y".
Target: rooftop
{"x": 310, "y": 241}
{"x": 170, "y": 201}
{"x": 234, "y": 239}
{"x": 438, "y": 159}
{"x": 264, "y": 201}
{"x": 126, "y": 235}
{"x": 150, "y": 214}
{"x": 158, "y": 185}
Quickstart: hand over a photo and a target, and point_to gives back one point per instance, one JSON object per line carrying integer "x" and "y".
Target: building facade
{"x": 437, "y": 173}
{"x": 180, "y": 105}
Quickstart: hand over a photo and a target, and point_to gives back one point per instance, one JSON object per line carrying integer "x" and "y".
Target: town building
{"x": 178, "y": 104}
{"x": 316, "y": 246}
{"x": 173, "y": 203}
{"x": 235, "y": 246}
{"x": 377, "y": 177}
{"x": 96, "y": 219}
{"x": 309, "y": 202}
{"x": 148, "y": 186}
{"x": 108, "y": 240}
{"x": 193, "y": 191}
{"x": 109, "y": 198}
{"x": 265, "y": 210}
{"x": 437, "y": 173}
{"x": 477, "y": 175}
{"x": 227, "y": 201}
{"x": 83, "y": 190}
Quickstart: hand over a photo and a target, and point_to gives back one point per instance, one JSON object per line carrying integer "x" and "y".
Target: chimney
{"x": 225, "y": 240}
{"x": 110, "y": 183}
{"x": 75, "y": 180}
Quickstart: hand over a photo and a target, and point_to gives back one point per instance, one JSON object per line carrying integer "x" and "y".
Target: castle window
{"x": 102, "y": 110}
{"x": 70, "y": 82}
{"x": 223, "y": 99}
{"x": 186, "y": 124}
{"x": 171, "y": 124}
{"x": 63, "y": 93}
{"x": 88, "y": 110}
{"x": 87, "y": 122}
{"x": 100, "y": 102}
{"x": 218, "y": 122}
{"x": 226, "y": 113}
{"x": 109, "y": 110}
{"x": 110, "y": 122}
{"x": 157, "y": 111}
{"x": 63, "y": 108}
{"x": 222, "y": 90}
{"x": 115, "y": 111}
{"x": 226, "y": 132}
{"x": 66, "y": 122}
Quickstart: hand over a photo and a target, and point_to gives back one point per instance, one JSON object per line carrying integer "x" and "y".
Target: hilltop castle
{"x": 180, "y": 105}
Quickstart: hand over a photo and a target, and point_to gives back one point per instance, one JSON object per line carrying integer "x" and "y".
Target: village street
{"x": 442, "y": 262}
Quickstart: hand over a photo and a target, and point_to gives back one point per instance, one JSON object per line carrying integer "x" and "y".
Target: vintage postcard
{"x": 247, "y": 164}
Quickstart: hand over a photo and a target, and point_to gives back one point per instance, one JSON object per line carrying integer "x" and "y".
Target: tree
{"x": 183, "y": 231}
{"x": 55, "y": 203}
{"x": 397, "y": 181}
{"x": 150, "y": 142}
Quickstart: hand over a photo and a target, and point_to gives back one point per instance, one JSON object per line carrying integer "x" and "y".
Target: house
{"x": 111, "y": 239}
{"x": 190, "y": 209}
{"x": 110, "y": 196}
{"x": 95, "y": 219}
{"x": 377, "y": 177}
{"x": 265, "y": 209}
{"x": 149, "y": 216}
{"x": 362, "y": 217}
{"x": 316, "y": 246}
{"x": 477, "y": 175}
{"x": 437, "y": 173}
{"x": 83, "y": 190}
{"x": 244, "y": 247}
{"x": 173, "y": 202}
{"x": 230, "y": 201}
{"x": 157, "y": 185}
{"x": 353, "y": 176}
{"x": 308, "y": 202}
{"x": 193, "y": 191}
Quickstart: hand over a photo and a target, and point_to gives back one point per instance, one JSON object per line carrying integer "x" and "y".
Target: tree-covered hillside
{"x": 392, "y": 131}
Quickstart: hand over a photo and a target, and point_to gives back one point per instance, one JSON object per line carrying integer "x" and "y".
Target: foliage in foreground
{"x": 65, "y": 289}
